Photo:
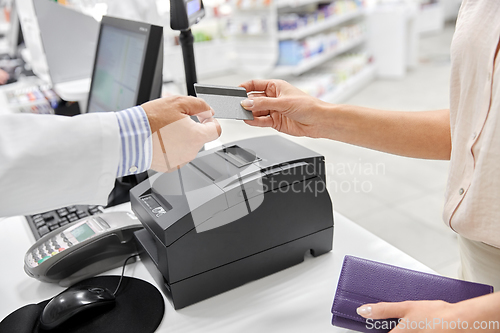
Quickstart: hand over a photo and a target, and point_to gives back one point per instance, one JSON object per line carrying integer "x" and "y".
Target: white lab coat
{"x": 47, "y": 161}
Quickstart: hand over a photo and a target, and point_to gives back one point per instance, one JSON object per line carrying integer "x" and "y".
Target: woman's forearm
{"x": 424, "y": 134}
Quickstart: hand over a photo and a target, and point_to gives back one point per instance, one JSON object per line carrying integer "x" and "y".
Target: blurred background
{"x": 391, "y": 55}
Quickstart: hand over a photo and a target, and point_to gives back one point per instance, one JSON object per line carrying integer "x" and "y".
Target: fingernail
{"x": 247, "y": 103}
{"x": 364, "y": 310}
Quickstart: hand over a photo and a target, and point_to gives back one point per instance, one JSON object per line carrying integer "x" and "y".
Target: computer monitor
{"x": 127, "y": 66}
{"x": 69, "y": 40}
{"x": 15, "y": 34}
{"x": 127, "y": 72}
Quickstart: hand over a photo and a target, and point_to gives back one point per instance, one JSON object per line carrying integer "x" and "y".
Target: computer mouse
{"x": 73, "y": 301}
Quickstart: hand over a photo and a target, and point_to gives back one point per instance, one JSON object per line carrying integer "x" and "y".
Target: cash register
{"x": 234, "y": 214}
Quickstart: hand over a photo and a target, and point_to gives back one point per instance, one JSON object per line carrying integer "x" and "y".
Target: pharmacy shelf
{"x": 295, "y": 3}
{"x": 310, "y": 63}
{"x": 314, "y": 28}
{"x": 351, "y": 86}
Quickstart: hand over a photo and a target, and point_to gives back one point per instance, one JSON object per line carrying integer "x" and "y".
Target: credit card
{"x": 224, "y": 100}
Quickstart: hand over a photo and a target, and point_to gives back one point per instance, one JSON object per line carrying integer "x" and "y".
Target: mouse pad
{"x": 139, "y": 307}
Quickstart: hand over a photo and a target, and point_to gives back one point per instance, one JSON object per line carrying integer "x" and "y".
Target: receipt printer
{"x": 234, "y": 214}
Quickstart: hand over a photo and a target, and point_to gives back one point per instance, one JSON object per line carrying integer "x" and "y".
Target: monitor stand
{"x": 76, "y": 90}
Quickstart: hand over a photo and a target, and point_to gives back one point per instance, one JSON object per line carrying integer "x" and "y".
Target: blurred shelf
{"x": 314, "y": 28}
{"x": 296, "y": 3}
{"x": 351, "y": 86}
{"x": 316, "y": 60}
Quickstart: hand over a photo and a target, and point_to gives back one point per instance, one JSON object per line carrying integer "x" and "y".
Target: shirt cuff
{"x": 136, "y": 144}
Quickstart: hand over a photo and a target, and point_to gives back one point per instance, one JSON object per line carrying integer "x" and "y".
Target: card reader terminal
{"x": 83, "y": 248}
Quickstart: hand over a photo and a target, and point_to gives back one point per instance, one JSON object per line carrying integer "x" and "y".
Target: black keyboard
{"x": 44, "y": 223}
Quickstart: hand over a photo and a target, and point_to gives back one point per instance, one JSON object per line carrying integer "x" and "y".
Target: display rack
{"x": 254, "y": 31}
{"x": 319, "y": 27}
{"x": 309, "y": 63}
{"x": 264, "y": 47}
{"x": 351, "y": 86}
{"x": 295, "y": 3}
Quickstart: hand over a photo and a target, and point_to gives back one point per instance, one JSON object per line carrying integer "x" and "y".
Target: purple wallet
{"x": 364, "y": 281}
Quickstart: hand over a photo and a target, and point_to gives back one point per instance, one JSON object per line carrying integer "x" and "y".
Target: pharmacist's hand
{"x": 280, "y": 105}
{"x": 176, "y": 138}
{"x": 4, "y": 76}
{"x": 415, "y": 316}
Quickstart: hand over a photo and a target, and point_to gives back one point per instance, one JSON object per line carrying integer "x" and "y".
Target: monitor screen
{"x": 127, "y": 72}
{"x": 117, "y": 72}
{"x": 15, "y": 35}
{"x": 193, "y": 6}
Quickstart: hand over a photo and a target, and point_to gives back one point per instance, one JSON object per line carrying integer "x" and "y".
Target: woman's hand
{"x": 415, "y": 316}
{"x": 4, "y": 76}
{"x": 278, "y": 104}
{"x": 480, "y": 314}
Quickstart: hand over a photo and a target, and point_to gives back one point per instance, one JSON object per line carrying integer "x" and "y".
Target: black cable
{"x": 123, "y": 271}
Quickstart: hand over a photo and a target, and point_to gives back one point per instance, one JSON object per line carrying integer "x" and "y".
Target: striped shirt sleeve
{"x": 136, "y": 144}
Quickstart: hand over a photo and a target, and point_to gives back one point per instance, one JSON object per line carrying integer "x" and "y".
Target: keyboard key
{"x": 82, "y": 214}
{"x": 48, "y": 216}
{"x": 95, "y": 210}
{"x": 63, "y": 223}
{"x": 54, "y": 227}
{"x": 38, "y": 219}
{"x": 71, "y": 216}
{"x": 63, "y": 213}
{"x": 72, "y": 209}
{"x": 40, "y": 224}
{"x": 73, "y": 219}
{"x": 43, "y": 231}
{"x": 52, "y": 223}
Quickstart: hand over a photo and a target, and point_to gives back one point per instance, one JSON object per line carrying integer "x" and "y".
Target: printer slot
{"x": 206, "y": 169}
{"x": 238, "y": 156}
{"x": 154, "y": 206}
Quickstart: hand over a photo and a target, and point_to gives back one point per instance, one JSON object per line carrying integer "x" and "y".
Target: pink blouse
{"x": 472, "y": 205}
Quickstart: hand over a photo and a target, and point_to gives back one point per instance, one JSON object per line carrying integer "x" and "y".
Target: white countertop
{"x": 297, "y": 299}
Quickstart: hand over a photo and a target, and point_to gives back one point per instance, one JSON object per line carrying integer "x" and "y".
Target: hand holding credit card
{"x": 224, "y": 100}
